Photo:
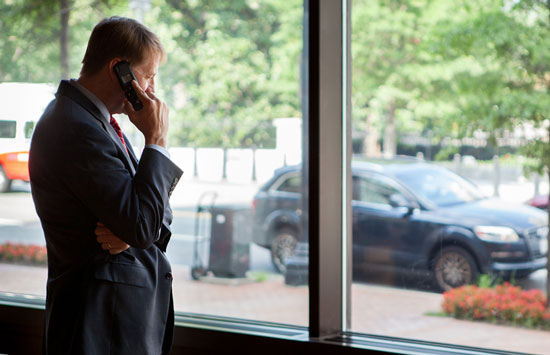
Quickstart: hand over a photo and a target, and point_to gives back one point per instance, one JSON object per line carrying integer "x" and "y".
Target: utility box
{"x": 230, "y": 241}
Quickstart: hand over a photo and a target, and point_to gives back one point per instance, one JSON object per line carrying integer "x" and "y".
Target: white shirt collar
{"x": 100, "y": 105}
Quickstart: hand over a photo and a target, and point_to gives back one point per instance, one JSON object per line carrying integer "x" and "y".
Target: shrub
{"x": 21, "y": 253}
{"x": 501, "y": 304}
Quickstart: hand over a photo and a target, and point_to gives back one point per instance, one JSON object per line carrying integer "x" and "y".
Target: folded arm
{"x": 131, "y": 207}
{"x": 109, "y": 241}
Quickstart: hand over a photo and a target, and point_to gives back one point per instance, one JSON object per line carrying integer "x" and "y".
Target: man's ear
{"x": 111, "y": 65}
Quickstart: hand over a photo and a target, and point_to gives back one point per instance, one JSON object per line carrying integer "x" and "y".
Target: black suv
{"x": 412, "y": 216}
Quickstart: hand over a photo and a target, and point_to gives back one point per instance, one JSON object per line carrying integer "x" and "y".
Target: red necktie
{"x": 118, "y": 131}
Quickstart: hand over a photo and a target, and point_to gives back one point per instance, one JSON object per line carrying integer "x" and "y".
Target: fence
{"x": 232, "y": 165}
{"x": 258, "y": 165}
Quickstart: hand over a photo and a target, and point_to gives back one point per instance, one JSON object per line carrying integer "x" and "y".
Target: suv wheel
{"x": 5, "y": 183}
{"x": 282, "y": 248}
{"x": 454, "y": 267}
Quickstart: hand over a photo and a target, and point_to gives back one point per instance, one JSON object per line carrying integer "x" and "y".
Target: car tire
{"x": 453, "y": 267}
{"x": 197, "y": 272}
{"x": 5, "y": 183}
{"x": 282, "y": 248}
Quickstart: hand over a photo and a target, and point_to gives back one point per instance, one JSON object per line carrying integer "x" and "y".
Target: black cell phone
{"x": 125, "y": 76}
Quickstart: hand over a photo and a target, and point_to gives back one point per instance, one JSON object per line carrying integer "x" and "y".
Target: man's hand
{"x": 108, "y": 240}
{"x": 152, "y": 119}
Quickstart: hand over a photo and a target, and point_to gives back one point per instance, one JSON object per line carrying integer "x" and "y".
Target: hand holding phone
{"x": 152, "y": 120}
{"x": 125, "y": 76}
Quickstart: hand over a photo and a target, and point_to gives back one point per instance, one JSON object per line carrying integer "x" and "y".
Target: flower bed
{"x": 502, "y": 304}
{"x": 21, "y": 253}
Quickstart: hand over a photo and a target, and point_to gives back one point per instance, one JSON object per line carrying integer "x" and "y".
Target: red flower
{"x": 504, "y": 302}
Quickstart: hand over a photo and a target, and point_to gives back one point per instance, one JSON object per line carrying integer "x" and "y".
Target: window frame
{"x": 327, "y": 45}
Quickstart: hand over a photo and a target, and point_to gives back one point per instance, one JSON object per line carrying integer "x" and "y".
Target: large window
{"x": 232, "y": 81}
{"x": 442, "y": 130}
{"x": 331, "y": 188}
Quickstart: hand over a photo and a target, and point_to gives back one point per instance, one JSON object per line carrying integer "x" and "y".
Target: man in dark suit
{"x": 105, "y": 215}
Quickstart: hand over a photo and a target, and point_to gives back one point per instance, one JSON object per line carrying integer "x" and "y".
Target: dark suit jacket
{"x": 80, "y": 174}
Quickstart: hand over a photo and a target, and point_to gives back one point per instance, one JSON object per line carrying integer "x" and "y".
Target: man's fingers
{"x": 108, "y": 240}
{"x": 103, "y": 239}
{"x": 114, "y": 245}
{"x": 113, "y": 239}
{"x": 139, "y": 91}
{"x": 101, "y": 231}
{"x": 151, "y": 94}
{"x": 128, "y": 107}
{"x": 118, "y": 250}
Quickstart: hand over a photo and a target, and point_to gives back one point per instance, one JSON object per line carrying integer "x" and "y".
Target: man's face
{"x": 145, "y": 75}
{"x": 145, "y": 72}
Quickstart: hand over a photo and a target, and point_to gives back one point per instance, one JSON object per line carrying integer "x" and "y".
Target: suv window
{"x": 7, "y": 129}
{"x": 293, "y": 183}
{"x": 372, "y": 190}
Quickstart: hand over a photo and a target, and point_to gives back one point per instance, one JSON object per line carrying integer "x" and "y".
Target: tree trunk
{"x": 64, "y": 38}
{"x": 370, "y": 142}
{"x": 390, "y": 134}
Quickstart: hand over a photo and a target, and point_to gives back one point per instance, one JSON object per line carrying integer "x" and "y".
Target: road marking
{"x": 190, "y": 214}
{"x": 187, "y": 237}
{"x": 10, "y": 222}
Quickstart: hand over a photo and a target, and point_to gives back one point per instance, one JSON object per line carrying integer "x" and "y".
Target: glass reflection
{"x": 452, "y": 172}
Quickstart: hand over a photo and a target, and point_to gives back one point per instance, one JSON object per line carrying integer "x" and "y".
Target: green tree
{"x": 499, "y": 55}
{"x": 44, "y": 34}
{"x": 387, "y": 54}
{"x": 233, "y": 66}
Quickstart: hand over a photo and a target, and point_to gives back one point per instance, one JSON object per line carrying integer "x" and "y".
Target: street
{"x": 19, "y": 223}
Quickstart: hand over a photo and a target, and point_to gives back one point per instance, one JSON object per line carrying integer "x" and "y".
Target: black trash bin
{"x": 230, "y": 241}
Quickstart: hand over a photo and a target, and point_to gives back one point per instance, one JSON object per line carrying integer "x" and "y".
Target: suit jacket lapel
{"x": 133, "y": 157}
{"x": 122, "y": 150}
{"x": 66, "y": 89}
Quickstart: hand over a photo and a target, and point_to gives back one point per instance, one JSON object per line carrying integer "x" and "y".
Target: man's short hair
{"x": 119, "y": 37}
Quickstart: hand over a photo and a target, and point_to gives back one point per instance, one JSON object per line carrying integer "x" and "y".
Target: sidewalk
{"x": 378, "y": 310}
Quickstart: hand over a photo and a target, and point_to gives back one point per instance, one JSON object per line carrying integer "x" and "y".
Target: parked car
{"x": 14, "y": 151}
{"x": 539, "y": 201}
{"x": 415, "y": 217}
{"x": 22, "y": 105}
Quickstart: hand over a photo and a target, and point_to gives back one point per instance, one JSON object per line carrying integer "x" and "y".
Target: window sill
{"x": 22, "y": 317}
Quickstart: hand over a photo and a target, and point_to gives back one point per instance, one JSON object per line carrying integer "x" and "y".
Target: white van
{"x": 21, "y": 106}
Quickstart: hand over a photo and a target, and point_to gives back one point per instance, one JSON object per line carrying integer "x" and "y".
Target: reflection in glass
{"x": 446, "y": 116}
{"x": 440, "y": 187}
{"x": 232, "y": 82}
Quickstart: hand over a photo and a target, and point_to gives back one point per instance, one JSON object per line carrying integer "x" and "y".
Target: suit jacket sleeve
{"x": 132, "y": 207}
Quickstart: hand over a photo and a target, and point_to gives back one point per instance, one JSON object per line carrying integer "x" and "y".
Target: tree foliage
{"x": 458, "y": 68}
{"x": 232, "y": 66}
{"x": 31, "y": 45}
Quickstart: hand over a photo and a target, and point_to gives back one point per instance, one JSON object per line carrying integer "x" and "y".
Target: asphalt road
{"x": 19, "y": 223}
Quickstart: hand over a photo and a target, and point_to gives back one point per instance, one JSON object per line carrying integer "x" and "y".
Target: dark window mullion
{"x": 325, "y": 157}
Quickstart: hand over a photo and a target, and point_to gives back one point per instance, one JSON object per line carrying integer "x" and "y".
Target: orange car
{"x": 13, "y": 166}
{"x": 22, "y": 105}
{"x": 14, "y": 151}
